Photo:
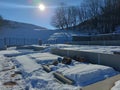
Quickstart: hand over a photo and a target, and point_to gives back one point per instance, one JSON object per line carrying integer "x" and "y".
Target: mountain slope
{"x": 13, "y": 30}
{"x": 15, "y": 24}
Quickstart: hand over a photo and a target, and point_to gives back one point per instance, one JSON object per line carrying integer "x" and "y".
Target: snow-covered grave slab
{"x": 85, "y": 74}
{"x": 44, "y": 58}
{"x": 31, "y": 62}
{"x": 28, "y": 64}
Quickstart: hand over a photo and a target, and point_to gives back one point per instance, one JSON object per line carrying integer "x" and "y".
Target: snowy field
{"x": 23, "y": 70}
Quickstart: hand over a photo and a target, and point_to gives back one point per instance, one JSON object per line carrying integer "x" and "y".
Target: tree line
{"x": 102, "y": 15}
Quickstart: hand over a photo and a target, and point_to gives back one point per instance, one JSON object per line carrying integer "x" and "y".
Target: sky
{"x": 27, "y": 11}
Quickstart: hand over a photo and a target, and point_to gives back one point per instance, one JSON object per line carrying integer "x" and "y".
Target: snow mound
{"x": 44, "y": 58}
{"x": 28, "y": 64}
{"x": 117, "y": 86}
{"x": 86, "y": 74}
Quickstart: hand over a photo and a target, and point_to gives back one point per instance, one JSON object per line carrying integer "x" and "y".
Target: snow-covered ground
{"x": 7, "y": 75}
{"x": 117, "y": 86}
{"x": 84, "y": 74}
{"x": 33, "y": 76}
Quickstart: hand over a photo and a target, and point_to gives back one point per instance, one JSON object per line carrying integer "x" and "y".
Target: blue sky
{"x": 27, "y": 11}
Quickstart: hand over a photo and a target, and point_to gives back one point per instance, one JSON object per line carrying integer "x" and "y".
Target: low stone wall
{"x": 105, "y": 43}
{"x": 99, "y": 37}
{"x": 111, "y": 60}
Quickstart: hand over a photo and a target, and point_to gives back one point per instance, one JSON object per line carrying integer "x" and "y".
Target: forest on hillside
{"x": 101, "y": 15}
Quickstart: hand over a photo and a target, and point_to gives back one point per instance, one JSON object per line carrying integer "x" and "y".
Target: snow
{"x": 84, "y": 74}
{"x": 6, "y": 70}
{"x": 33, "y": 77}
{"x": 31, "y": 34}
{"x": 16, "y": 34}
{"x": 117, "y": 86}
{"x": 9, "y": 52}
{"x": 48, "y": 84}
{"x": 26, "y": 34}
{"x": 28, "y": 64}
{"x": 44, "y": 58}
{"x": 62, "y": 37}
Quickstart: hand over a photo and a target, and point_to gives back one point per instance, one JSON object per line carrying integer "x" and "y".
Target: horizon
{"x": 27, "y": 11}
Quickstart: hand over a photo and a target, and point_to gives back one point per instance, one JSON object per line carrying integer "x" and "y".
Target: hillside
{"x": 13, "y": 29}
{"x": 15, "y": 24}
{"x": 15, "y": 33}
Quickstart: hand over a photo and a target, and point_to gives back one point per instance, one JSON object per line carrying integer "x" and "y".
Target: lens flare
{"x": 42, "y": 7}
{"x": 34, "y": 2}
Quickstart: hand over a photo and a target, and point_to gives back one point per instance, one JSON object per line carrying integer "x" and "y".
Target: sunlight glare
{"x": 42, "y": 7}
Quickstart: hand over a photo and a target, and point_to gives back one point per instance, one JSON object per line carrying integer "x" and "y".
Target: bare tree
{"x": 59, "y": 19}
{"x": 55, "y": 22}
{"x": 65, "y": 17}
{"x": 102, "y": 15}
{"x": 75, "y": 15}
{"x": 82, "y": 13}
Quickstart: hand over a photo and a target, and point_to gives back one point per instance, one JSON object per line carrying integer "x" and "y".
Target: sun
{"x": 42, "y": 7}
